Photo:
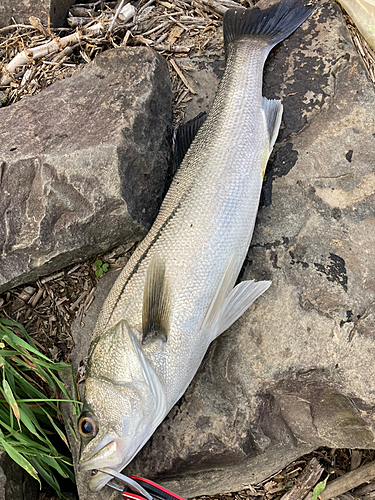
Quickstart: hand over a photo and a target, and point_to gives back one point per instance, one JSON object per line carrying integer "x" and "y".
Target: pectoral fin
{"x": 156, "y": 303}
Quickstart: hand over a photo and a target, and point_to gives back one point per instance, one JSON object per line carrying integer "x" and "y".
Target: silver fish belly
{"x": 176, "y": 295}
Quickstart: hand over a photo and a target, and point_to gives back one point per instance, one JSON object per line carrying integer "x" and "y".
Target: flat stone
{"x": 296, "y": 371}
{"x": 21, "y": 10}
{"x": 83, "y": 164}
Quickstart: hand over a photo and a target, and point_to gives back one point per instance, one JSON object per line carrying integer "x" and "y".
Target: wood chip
{"x": 89, "y": 299}
{"x": 165, "y": 4}
{"x": 215, "y": 6}
{"x": 364, "y": 490}
{"x": 273, "y": 487}
{"x": 78, "y": 301}
{"x": 52, "y": 277}
{"x": 174, "y": 34}
{"x": 356, "y": 459}
{"x": 181, "y": 75}
{"x": 305, "y": 482}
{"x": 26, "y": 293}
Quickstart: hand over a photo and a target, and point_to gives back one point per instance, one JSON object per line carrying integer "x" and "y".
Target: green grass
{"x": 29, "y": 413}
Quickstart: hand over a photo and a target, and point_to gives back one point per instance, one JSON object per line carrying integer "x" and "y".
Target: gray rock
{"x": 296, "y": 371}
{"x": 21, "y": 10}
{"x": 15, "y": 483}
{"x": 83, "y": 164}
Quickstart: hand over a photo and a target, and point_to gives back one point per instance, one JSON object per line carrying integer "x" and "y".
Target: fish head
{"x": 124, "y": 403}
{"x": 112, "y": 427}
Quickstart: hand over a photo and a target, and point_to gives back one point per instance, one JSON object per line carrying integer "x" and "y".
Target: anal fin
{"x": 228, "y": 303}
{"x": 210, "y": 322}
{"x": 273, "y": 110}
{"x": 238, "y": 301}
{"x": 156, "y": 303}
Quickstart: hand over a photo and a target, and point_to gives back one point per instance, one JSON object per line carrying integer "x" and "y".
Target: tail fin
{"x": 272, "y": 24}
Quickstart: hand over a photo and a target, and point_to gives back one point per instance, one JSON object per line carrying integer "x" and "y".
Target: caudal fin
{"x": 272, "y": 24}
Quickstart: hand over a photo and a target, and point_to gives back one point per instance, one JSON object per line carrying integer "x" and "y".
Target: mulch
{"x": 48, "y": 307}
{"x": 174, "y": 28}
{"x": 336, "y": 464}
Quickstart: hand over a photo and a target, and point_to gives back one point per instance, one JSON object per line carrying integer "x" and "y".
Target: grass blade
{"x": 45, "y": 473}
{"x": 29, "y": 380}
{"x": 8, "y": 394}
{"x": 19, "y": 458}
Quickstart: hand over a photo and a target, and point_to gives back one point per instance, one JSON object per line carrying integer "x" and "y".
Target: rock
{"x": 84, "y": 169}
{"x": 21, "y": 10}
{"x": 15, "y": 483}
{"x": 296, "y": 371}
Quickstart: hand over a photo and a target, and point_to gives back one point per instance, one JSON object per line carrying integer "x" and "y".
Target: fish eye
{"x": 87, "y": 425}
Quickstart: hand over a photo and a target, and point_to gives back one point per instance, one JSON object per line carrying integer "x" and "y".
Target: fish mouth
{"x": 107, "y": 459}
{"x": 108, "y": 456}
{"x": 98, "y": 480}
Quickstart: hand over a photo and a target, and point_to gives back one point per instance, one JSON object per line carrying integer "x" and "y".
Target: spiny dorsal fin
{"x": 156, "y": 303}
{"x": 184, "y": 137}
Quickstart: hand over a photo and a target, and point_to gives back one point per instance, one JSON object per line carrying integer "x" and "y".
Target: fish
{"x": 178, "y": 291}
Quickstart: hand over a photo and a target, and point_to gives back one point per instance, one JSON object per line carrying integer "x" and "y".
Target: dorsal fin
{"x": 184, "y": 137}
{"x": 156, "y": 303}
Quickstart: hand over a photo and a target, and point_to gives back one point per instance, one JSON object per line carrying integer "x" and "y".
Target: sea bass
{"x": 177, "y": 293}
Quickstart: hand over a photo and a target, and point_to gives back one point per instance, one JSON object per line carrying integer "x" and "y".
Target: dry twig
{"x": 29, "y": 55}
{"x": 14, "y": 27}
{"x": 363, "y": 48}
{"x": 347, "y": 482}
{"x": 305, "y": 482}
{"x": 181, "y": 75}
